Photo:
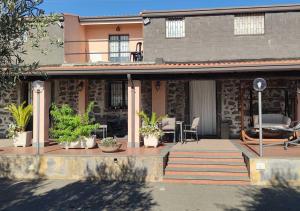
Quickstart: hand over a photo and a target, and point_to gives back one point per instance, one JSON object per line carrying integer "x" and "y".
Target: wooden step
{"x": 206, "y": 162}
{"x": 206, "y": 182}
{"x": 190, "y": 169}
{"x": 207, "y": 177}
{"x": 235, "y": 160}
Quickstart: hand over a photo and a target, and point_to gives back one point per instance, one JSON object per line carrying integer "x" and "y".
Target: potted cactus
{"x": 17, "y": 130}
{"x": 150, "y": 129}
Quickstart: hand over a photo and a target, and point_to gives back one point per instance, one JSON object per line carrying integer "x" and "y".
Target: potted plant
{"x": 150, "y": 130}
{"x": 109, "y": 144}
{"x": 16, "y": 131}
{"x": 73, "y": 130}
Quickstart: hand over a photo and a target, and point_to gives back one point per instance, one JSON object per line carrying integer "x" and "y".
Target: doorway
{"x": 203, "y": 105}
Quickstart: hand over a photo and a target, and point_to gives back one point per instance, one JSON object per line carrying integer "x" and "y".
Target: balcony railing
{"x": 98, "y": 51}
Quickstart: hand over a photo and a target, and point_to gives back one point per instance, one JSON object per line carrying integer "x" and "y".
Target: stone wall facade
{"x": 6, "y": 97}
{"x": 66, "y": 92}
{"x": 177, "y": 100}
{"x": 115, "y": 119}
{"x": 273, "y": 101}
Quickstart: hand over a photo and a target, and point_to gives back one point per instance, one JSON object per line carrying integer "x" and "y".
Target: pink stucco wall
{"x": 73, "y": 34}
{"x": 85, "y": 39}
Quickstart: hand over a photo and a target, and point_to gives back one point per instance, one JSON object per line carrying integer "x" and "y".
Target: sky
{"x": 133, "y": 7}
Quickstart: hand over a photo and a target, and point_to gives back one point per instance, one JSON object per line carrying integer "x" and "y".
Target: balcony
{"x": 116, "y": 49}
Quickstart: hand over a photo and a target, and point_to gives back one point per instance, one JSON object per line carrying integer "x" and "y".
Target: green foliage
{"x": 150, "y": 124}
{"x": 21, "y": 115}
{"x": 109, "y": 142}
{"x": 68, "y": 126}
{"x": 20, "y": 19}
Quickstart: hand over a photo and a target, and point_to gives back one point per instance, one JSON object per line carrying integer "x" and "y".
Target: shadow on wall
{"x": 90, "y": 194}
{"x": 279, "y": 196}
{"x": 27, "y": 166}
{"x": 123, "y": 170}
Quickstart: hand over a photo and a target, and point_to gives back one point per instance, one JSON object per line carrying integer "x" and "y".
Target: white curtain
{"x": 203, "y": 105}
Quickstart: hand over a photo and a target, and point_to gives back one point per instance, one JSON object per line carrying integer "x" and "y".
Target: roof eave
{"x": 222, "y": 11}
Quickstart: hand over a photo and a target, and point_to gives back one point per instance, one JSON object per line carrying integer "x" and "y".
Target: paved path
{"x": 71, "y": 195}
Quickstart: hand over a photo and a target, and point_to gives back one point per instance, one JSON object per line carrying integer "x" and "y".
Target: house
{"x": 183, "y": 63}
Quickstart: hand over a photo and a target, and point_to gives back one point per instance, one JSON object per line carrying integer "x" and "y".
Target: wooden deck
{"x": 275, "y": 151}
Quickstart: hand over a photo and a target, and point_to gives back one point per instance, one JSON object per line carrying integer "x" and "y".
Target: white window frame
{"x": 178, "y": 32}
{"x": 249, "y": 24}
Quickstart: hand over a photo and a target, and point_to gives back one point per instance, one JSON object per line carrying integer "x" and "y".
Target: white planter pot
{"x": 84, "y": 142}
{"x": 151, "y": 141}
{"x": 23, "y": 139}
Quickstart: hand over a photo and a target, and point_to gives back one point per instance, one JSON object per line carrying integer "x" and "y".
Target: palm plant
{"x": 21, "y": 115}
{"x": 150, "y": 124}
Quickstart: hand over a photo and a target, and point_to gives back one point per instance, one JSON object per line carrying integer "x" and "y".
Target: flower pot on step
{"x": 23, "y": 139}
{"x": 151, "y": 141}
{"x": 83, "y": 142}
{"x": 110, "y": 149}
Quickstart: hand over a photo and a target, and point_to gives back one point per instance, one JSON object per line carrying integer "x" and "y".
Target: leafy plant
{"x": 68, "y": 126}
{"x": 19, "y": 20}
{"x": 150, "y": 125}
{"x": 21, "y": 115}
{"x": 108, "y": 142}
{"x": 12, "y": 131}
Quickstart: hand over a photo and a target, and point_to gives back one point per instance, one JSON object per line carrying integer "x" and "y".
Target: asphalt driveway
{"x": 90, "y": 195}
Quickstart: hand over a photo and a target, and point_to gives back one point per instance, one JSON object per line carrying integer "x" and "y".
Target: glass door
{"x": 119, "y": 48}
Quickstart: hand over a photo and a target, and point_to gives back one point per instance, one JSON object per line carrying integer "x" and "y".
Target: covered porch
{"x": 220, "y": 94}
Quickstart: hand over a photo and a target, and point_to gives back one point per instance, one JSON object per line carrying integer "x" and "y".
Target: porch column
{"x": 134, "y": 106}
{"x": 159, "y": 97}
{"x": 83, "y": 96}
{"x": 41, "y": 106}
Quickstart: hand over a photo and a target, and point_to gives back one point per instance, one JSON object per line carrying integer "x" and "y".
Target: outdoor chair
{"x": 168, "y": 126}
{"x": 192, "y": 129}
{"x": 294, "y": 131}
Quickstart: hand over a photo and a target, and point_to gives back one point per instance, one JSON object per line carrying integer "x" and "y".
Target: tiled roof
{"x": 170, "y": 65}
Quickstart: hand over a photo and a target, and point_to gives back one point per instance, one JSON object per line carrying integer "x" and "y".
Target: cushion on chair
{"x": 272, "y": 120}
{"x": 195, "y": 123}
{"x": 168, "y": 124}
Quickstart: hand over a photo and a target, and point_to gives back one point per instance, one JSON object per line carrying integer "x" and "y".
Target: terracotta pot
{"x": 151, "y": 141}
{"x": 110, "y": 149}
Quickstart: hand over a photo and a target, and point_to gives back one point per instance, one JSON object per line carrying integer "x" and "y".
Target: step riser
{"x": 221, "y": 154}
{"x": 239, "y": 160}
{"x": 206, "y": 182}
{"x": 205, "y": 166}
{"x": 206, "y": 173}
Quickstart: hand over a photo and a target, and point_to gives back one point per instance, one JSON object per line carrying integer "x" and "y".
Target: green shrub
{"x": 150, "y": 125}
{"x": 68, "y": 126}
{"x": 21, "y": 115}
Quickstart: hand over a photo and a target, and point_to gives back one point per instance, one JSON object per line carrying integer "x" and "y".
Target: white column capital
{"x": 38, "y": 86}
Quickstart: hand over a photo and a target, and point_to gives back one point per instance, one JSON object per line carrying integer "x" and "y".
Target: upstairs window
{"x": 249, "y": 24}
{"x": 119, "y": 48}
{"x": 175, "y": 28}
